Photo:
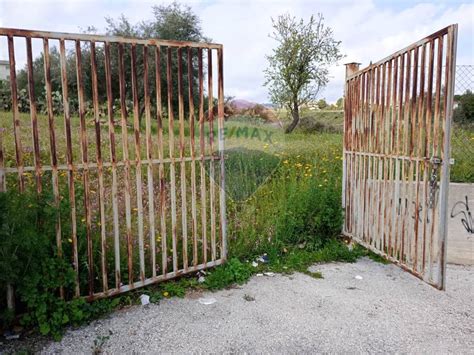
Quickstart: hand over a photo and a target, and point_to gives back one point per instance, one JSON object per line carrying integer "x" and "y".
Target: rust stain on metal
{"x": 396, "y": 154}
{"x": 212, "y": 173}
{"x": 138, "y": 161}
{"x": 69, "y": 159}
{"x": 95, "y": 170}
{"x": 162, "y": 185}
{"x": 85, "y": 162}
{"x": 149, "y": 155}
{"x": 52, "y": 139}
{"x": 113, "y": 158}
{"x": 202, "y": 146}
{"x": 16, "y": 113}
{"x": 222, "y": 198}
{"x": 193, "y": 156}
{"x": 100, "y": 169}
{"x": 33, "y": 114}
{"x": 182, "y": 147}
{"x": 126, "y": 158}
{"x": 172, "y": 165}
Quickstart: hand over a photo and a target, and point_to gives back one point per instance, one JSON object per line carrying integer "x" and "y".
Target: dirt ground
{"x": 383, "y": 309}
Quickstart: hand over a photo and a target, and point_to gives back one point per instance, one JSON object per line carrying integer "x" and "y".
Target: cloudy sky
{"x": 369, "y": 29}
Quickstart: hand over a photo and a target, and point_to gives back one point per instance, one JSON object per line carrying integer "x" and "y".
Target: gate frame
{"x": 142, "y": 160}
{"x": 353, "y": 70}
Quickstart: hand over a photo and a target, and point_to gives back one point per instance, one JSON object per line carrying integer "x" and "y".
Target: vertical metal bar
{"x": 193, "y": 155}
{"x": 386, "y": 160}
{"x": 182, "y": 148}
{"x": 428, "y": 125}
{"x": 444, "y": 188}
{"x": 405, "y": 152}
{"x": 69, "y": 158}
{"x": 392, "y": 149}
{"x": 212, "y": 192}
{"x": 85, "y": 163}
{"x": 344, "y": 200}
{"x": 376, "y": 119}
{"x": 172, "y": 158}
{"x": 149, "y": 154}
{"x": 398, "y": 150}
{"x": 413, "y": 243}
{"x": 367, "y": 148}
{"x": 359, "y": 109}
{"x": 52, "y": 145}
{"x": 138, "y": 161}
{"x": 16, "y": 114}
{"x": 360, "y": 159}
{"x": 113, "y": 158}
{"x": 380, "y": 161}
{"x": 435, "y": 152}
{"x": 33, "y": 115}
{"x": 220, "y": 124}
{"x": 128, "y": 213}
{"x": 420, "y": 164}
{"x": 100, "y": 169}
{"x": 159, "y": 118}
{"x": 354, "y": 101}
{"x": 202, "y": 149}
{"x": 348, "y": 162}
{"x": 52, "y": 140}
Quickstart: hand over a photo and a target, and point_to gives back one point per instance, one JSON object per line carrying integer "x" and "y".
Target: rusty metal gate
{"x": 397, "y": 125}
{"x": 144, "y": 206}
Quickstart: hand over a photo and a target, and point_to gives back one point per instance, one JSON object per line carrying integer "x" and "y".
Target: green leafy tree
{"x": 170, "y": 22}
{"x": 340, "y": 103}
{"x": 298, "y": 67}
{"x": 322, "y": 104}
{"x": 464, "y": 112}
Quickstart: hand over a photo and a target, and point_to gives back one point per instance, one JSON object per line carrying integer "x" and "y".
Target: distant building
{"x": 4, "y": 70}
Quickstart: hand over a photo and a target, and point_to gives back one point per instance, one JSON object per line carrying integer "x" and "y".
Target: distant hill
{"x": 240, "y": 104}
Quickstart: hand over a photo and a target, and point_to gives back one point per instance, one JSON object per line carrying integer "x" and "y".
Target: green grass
{"x": 283, "y": 198}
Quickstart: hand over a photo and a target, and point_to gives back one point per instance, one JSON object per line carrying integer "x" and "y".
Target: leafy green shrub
{"x": 232, "y": 272}
{"x": 464, "y": 112}
{"x": 310, "y": 125}
{"x": 29, "y": 262}
{"x": 29, "y": 259}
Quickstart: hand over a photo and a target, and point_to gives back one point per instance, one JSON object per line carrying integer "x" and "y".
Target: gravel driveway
{"x": 387, "y": 310}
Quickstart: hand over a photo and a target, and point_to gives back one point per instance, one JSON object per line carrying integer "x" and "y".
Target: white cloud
{"x": 368, "y": 30}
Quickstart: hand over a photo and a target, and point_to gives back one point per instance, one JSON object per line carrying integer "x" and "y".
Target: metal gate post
{"x": 445, "y": 164}
{"x": 351, "y": 68}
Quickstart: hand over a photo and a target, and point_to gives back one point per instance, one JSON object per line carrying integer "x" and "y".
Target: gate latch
{"x": 436, "y": 162}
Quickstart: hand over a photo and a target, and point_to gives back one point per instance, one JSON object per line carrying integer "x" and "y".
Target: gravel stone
{"x": 388, "y": 311}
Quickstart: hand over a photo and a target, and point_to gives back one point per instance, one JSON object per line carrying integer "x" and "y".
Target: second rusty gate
{"x": 397, "y": 125}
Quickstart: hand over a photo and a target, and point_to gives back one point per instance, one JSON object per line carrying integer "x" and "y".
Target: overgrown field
{"x": 283, "y": 200}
